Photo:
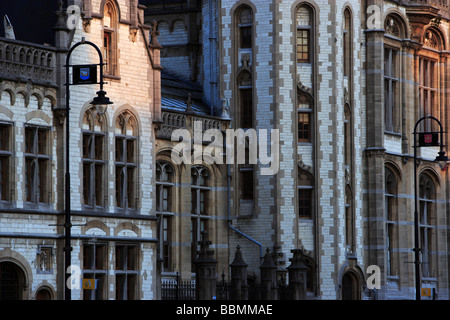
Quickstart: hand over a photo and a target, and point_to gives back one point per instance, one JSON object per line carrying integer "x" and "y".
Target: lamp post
{"x": 101, "y": 102}
{"x": 427, "y": 139}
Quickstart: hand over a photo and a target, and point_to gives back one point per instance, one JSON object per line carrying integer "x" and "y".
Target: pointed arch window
{"x": 126, "y": 160}
{"x": 347, "y": 42}
{"x": 200, "y": 190}
{"x": 305, "y": 194}
{"x": 390, "y": 196}
{"x": 5, "y": 161}
{"x": 304, "y": 19}
{"x": 245, "y": 88}
{"x": 305, "y": 117}
{"x": 93, "y": 159}
{"x": 164, "y": 190}
{"x": 349, "y": 219}
{"x": 110, "y": 25}
{"x": 37, "y": 161}
{"x": 245, "y": 17}
{"x": 427, "y": 208}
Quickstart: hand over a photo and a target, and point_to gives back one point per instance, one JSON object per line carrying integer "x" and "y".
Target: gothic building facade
{"x": 345, "y": 83}
{"x": 113, "y": 226}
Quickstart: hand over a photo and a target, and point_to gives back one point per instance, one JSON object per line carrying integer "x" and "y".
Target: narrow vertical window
{"x": 427, "y": 91}
{"x": 304, "y": 124}
{"x": 5, "y": 161}
{"x": 36, "y": 164}
{"x": 125, "y": 161}
{"x": 110, "y": 24}
{"x": 391, "y": 86}
{"x": 126, "y": 272}
{"x": 95, "y": 268}
{"x": 391, "y": 217}
{"x": 349, "y": 220}
{"x": 245, "y": 99}
{"x": 426, "y": 224}
{"x": 164, "y": 186}
{"x": 347, "y": 42}
{"x": 93, "y": 159}
{"x": 305, "y": 194}
{"x": 348, "y": 137}
{"x": 245, "y": 27}
{"x": 199, "y": 206}
{"x": 304, "y": 29}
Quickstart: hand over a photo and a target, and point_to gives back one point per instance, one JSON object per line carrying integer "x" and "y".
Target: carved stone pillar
{"x": 205, "y": 268}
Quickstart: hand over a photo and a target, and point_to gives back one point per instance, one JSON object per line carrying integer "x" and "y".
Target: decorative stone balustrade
{"x": 20, "y": 61}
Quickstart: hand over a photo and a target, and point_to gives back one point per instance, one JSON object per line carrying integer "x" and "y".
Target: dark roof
{"x": 32, "y": 20}
{"x": 175, "y": 92}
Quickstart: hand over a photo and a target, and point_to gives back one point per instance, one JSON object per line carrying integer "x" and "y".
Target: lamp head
{"x": 101, "y": 102}
{"x": 442, "y": 160}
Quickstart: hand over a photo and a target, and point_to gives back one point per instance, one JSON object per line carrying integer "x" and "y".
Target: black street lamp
{"x": 426, "y": 139}
{"x": 101, "y": 103}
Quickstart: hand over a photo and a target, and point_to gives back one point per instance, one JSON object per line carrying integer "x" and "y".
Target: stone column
{"x": 297, "y": 276}
{"x": 375, "y": 150}
{"x": 268, "y": 278}
{"x": 238, "y": 289}
{"x": 205, "y": 269}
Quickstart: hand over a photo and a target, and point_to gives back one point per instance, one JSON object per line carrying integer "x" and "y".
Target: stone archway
{"x": 350, "y": 286}
{"x": 12, "y": 281}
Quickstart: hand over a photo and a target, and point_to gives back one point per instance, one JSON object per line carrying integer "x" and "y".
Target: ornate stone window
{"x": 347, "y": 42}
{"x": 245, "y": 21}
{"x": 110, "y": 30}
{"x": 5, "y": 161}
{"x": 305, "y": 24}
{"x": 36, "y": 164}
{"x": 126, "y": 271}
{"x": 392, "y": 89}
{"x": 305, "y": 194}
{"x": 199, "y": 206}
{"x": 93, "y": 159}
{"x": 44, "y": 259}
{"x": 305, "y": 116}
{"x": 245, "y": 90}
{"x": 164, "y": 191}
{"x": 126, "y": 157}
{"x": 390, "y": 196}
{"x": 427, "y": 224}
{"x": 95, "y": 267}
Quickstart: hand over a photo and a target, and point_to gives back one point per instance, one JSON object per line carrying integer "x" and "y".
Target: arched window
{"x": 245, "y": 90}
{"x": 347, "y": 45}
{"x": 6, "y": 131}
{"x": 37, "y": 162}
{"x": 430, "y": 78}
{"x": 427, "y": 227}
{"x": 164, "y": 191}
{"x": 305, "y": 116}
{"x": 348, "y": 136}
{"x": 349, "y": 220}
{"x": 110, "y": 25}
{"x": 394, "y": 34}
{"x": 390, "y": 196}
{"x": 93, "y": 159}
{"x": 245, "y": 22}
{"x": 305, "y": 24}
{"x": 126, "y": 160}
{"x": 305, "y": 194}
{"x": 199, "y": 206}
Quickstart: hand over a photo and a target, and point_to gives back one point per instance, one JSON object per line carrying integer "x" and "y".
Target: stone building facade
{"x": 113, "y": 229}
{"x": 344, "y": 82}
